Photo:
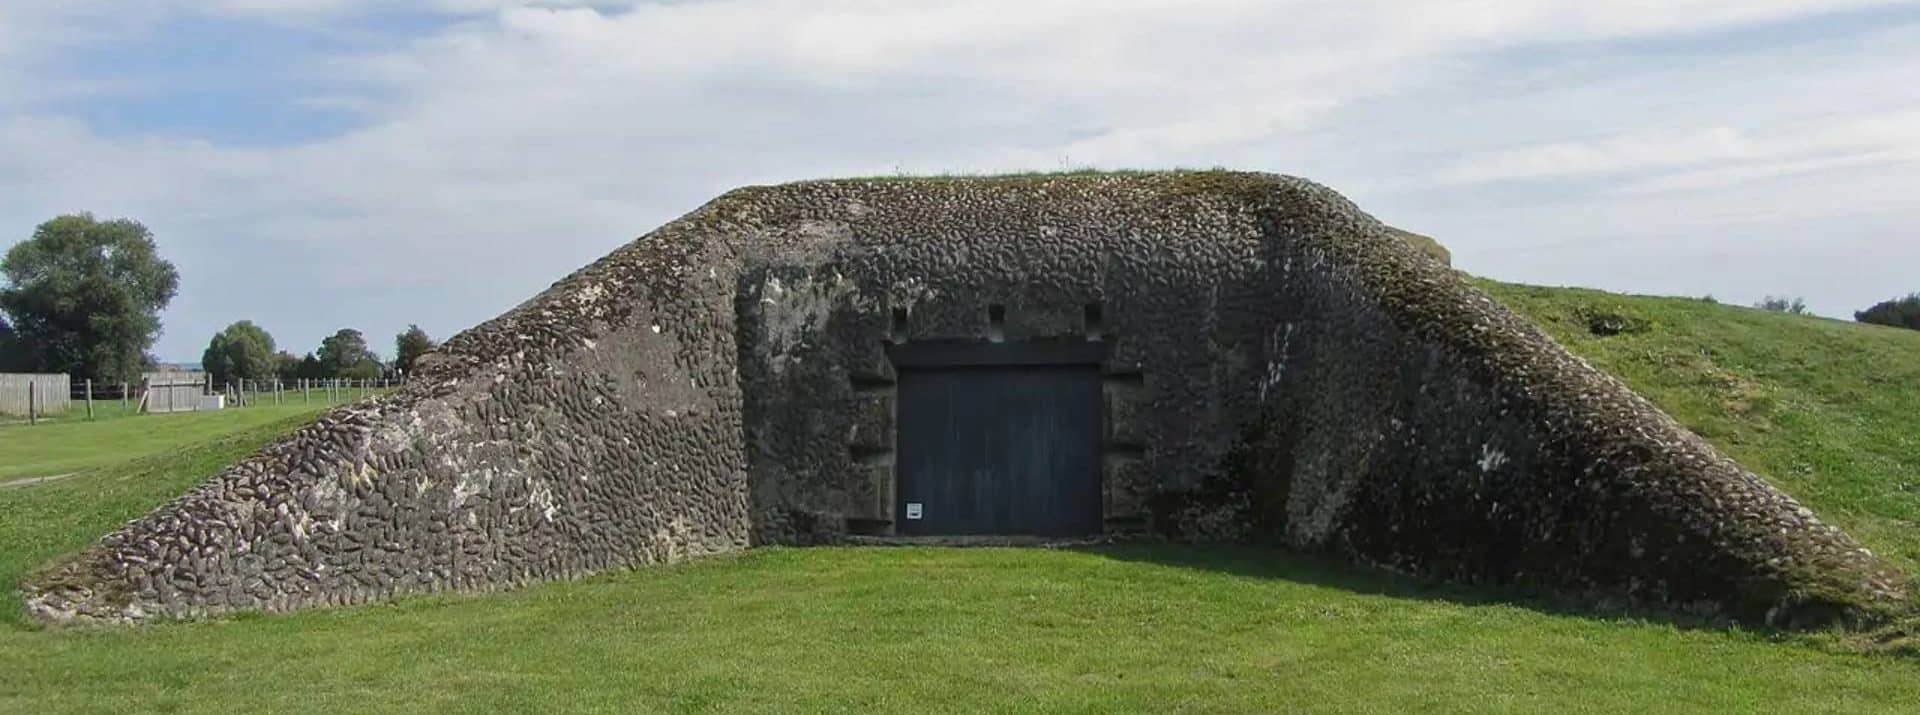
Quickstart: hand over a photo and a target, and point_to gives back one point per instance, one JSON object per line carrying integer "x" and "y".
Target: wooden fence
{"x": 49, "y": 395}
{"x": 172, "y": 391}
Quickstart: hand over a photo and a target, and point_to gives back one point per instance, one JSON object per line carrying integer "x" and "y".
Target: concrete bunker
{"x": 1196, "y": 355}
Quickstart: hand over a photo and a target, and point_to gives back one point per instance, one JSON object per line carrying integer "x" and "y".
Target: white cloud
{"x": 1614, "y": 154}
{"x": 1728, "y": 155}
{"x": 510, "y": 143}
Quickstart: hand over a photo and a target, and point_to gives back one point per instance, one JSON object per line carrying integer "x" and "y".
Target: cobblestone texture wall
{"x": 1278, "y": 365}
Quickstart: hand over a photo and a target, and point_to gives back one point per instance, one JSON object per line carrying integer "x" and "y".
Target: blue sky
{"x": 317, "y": 164}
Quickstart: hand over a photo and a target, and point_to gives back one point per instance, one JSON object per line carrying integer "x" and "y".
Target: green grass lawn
{"x": 1825, "y": 409}
{"x": 73, "y": 444}
{"x": 1133, "y": 629}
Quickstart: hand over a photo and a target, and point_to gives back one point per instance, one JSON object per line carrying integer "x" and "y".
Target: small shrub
{"x": 1899, "y": 313}
{"x": 1784, "y": 304}
{"x": 1606, "y": 322}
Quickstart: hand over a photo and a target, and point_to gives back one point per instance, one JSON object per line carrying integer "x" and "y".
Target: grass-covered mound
{"x": 1829, "y": 411}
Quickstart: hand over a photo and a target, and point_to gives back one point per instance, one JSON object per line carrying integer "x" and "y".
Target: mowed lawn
{"x": 70, "y": 443}
{"x": 1813, "y": 405}
{"x": 1125, "y": 629}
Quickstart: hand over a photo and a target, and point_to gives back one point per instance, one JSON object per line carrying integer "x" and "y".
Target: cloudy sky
{"x": 316, "y": 164}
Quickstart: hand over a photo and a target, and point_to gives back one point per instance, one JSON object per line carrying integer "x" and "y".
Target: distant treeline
{"x": 83, "y": 297}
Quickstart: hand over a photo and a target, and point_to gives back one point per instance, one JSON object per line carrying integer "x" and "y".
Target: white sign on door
{"x": 913, "y": 510}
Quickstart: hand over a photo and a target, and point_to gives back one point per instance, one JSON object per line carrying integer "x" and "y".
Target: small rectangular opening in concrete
{"x": 897, "y": 329}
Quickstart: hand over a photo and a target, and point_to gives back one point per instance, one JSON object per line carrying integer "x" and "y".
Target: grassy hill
{"x": 1827, "y": 410}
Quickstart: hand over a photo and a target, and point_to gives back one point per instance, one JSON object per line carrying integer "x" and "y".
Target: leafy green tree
{"x": 342, "y": 354}
{"x": 409, "y": 346}
{"x": 1899, "y": 313}
{"x": 85, "y": 296}
{"x": 286, "y": 366}
{"x": 312, "y": 369}
{"x": 10, "y": 357}
{"x": 243, "y": 351}
{"x": 367, "y": 369}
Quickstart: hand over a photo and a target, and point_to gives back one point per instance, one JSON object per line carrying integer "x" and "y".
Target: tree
{"x": 1783, "y": 304}
{"x": 10, "y": 357}
{"x": 1899, "y": 313}
{"x": 367, "y": 368}
{"x": 311, "y": 368}
{"x": 243, "y": 351}
{"x": 342, "y": 354}
{"x": 85, "y": 296}
{"x": 409, "y": 346}
{"x": 286, "y": 366}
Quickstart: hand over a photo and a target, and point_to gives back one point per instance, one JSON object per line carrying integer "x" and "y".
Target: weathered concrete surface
{"x": 1279, "y": 365}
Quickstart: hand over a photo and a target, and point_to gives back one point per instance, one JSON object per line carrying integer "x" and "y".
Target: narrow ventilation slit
{"x": 1096, "y": 328}
{"x": 862, "y": 454}
{"x": 897, "y": 330}
{"x": 870, "y": 383}
{"x": 859, "y": 526}
{"x": 997, "y": 323}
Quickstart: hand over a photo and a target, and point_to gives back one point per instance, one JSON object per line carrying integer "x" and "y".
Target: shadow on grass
{"x": 1267, "y": 562}
{"x": 1899, "y": 638}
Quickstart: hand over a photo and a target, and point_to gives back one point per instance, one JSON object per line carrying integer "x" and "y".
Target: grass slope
{"x": 1818, "y": 406}
{"x": 1827, "y": 410}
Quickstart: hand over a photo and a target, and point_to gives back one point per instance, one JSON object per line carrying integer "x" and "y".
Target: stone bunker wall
{"x": 862, "y": 268}
{"x": 1277, "y": 365}
{"x": 594, "y": 427}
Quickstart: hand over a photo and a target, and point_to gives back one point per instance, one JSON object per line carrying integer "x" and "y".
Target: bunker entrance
{"x": 998, "y": 440}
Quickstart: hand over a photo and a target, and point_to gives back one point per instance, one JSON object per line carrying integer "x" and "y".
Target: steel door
{"x": 999, "y": 450}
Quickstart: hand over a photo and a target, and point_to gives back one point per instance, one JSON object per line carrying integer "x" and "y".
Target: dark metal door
{"x": 999, "y": 450}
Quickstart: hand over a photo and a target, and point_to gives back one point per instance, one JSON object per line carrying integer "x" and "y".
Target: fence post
{"x": 89, "y": 398}
{"x": 31, "y": 419}
{"x": 306, "y": 391}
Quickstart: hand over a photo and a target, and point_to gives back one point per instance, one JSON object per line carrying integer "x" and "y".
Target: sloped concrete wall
{"x": 1278, "y": 365}
{"x": 1427, "y": 429}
